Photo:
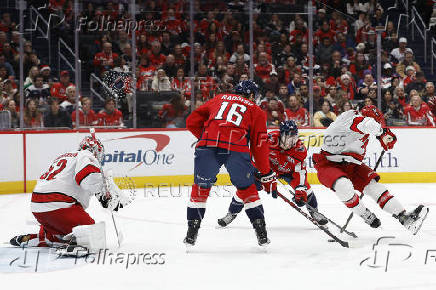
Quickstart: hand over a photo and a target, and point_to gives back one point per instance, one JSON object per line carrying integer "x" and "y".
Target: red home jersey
{"x": 232, "y": 122}
{"x": 288, "y": 162}
{"x": 300, "y": 116}
{"x": 421, "y": 117}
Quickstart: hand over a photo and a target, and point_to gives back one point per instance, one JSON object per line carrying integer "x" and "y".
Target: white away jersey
{"x": 347, "y": 137}
{"x": 72, "y": 177}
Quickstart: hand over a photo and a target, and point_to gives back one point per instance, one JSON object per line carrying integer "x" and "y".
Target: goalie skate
{"x": 413, "y": 221}
{"x": 225, "y": 221}
{"x": 72, "y": 251}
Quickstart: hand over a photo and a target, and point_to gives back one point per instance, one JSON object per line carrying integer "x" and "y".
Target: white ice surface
{"x": 299, "y": 256}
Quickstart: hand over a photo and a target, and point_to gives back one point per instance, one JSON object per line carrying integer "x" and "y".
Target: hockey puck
{"x": 331, "y": 240}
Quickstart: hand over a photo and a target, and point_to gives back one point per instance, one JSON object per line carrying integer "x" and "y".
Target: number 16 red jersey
{"x": 232, "y": 122}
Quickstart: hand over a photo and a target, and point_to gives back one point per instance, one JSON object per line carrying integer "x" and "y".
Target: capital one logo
{"x": 142, "y": 154}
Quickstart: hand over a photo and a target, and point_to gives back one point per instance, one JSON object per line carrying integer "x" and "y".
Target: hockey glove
{"x": 300, "y": 197}
{"x": 269, "y": 182}
{"x": 387, "y": 139}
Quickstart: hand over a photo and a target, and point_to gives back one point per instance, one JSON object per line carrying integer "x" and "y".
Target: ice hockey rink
{"x": 299, "y": 256}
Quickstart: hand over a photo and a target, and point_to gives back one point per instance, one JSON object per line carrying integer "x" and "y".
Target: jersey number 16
{"x": 234, "y": 115}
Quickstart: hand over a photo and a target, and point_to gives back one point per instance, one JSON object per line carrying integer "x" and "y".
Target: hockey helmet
{"x": 93, "y": 145}
{"x": 372, "y": 112}
{"x": 288, "y": 134}
{"x": 246, "y": 88}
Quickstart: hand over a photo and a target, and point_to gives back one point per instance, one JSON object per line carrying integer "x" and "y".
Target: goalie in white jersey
{"x": 340, "y": 167}
{"x": 62, "y": 194}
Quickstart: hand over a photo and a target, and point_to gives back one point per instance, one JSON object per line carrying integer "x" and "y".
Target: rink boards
{"x": 162, "y": 157}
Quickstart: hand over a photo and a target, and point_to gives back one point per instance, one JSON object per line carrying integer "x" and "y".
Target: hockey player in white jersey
{"x": 62, "y": 194}
{"x": 340, "y": 167}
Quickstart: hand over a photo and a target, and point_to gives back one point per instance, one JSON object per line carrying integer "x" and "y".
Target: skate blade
{"x": 422, "y": 216}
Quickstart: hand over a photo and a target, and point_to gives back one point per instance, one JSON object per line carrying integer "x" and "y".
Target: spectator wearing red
{"x": 173, "y": 114}
{"x": 297, "y": 113}
{"x": 400, "y": 95}
{"x": 339, "y": 24}
{"x": 418, "y": 113}
{"x": 32, "y": 115}
{"x": 358, "y": 67}
{"x": 324, "y": 32}
{"x": 110, "y": 116}
{"x": 59, "y": 89}
{"x": 87, "y": 116}
{"x": 275, "y": 112}
{"x": 182, "y": 84}
{"x": 156, "y": 58}
{"x": 300, "y": 29}
{"x": 263, "y": 68}
{"x": 179, "y": 57}
{"x": 146, "y": 74}
{"x": 104, "y": 60}
{"x": 172, "y": 23}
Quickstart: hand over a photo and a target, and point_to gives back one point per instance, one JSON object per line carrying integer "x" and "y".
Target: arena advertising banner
{"x": 167, "y": 156}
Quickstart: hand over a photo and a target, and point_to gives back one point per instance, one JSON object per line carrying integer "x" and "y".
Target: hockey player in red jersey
{"x": 61, "y": 196}
{"x": 287, "y": 159}
{"x": 230, "y": 128}
{"x": 340, "y": 167}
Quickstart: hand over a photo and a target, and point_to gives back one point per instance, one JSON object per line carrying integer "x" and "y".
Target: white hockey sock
{"x": 345, "y": 191}
{"x": 383, "y": 197}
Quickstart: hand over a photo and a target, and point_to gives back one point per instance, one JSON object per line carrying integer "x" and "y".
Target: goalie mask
{"x": 288, "y": 134}
{"x": 93, "y": 145}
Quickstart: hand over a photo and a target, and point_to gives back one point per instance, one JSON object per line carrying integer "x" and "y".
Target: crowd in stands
{"x": 344, "y": 63}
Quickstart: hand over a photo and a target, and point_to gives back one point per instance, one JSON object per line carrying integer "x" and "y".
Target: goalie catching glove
{"x": 113, "y": 197}
{"x": 387, "y": 139}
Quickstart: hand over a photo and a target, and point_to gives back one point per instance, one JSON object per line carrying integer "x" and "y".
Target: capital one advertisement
{"x": 171, "y": 153}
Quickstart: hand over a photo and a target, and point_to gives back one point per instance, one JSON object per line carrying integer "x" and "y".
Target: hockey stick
{"x": 119, "y": 237}
{"x": 325, "y": 230}
{"x": 361, "y": 196}
{"x": 291, "y": 190}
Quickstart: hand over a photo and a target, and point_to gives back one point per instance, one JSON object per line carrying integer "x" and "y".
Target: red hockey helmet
{"x": 372, "y": 112}
{"x": 93, "y": 145}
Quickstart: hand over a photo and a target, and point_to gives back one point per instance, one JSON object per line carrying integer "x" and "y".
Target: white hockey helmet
{"x": 93, "y": 145}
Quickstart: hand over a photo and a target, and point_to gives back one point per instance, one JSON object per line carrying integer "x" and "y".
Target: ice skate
{"x": 318, "y": 217}
{"x": 371, "y": 219}
{"x": 413, "y": 220}
{"x": 261, "y": 234}
{"x": 72, "y": 250}
{"x": 225, "y": 221}
{"x": 191, "y": 235}
{"x": 20, "y": 241}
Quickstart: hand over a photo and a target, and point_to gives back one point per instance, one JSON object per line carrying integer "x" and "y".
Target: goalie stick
{"x": 290, "y": 189}
{"x": 361, "y": 196}
{"x": 118, "y": 233}
{"x": 325, "y": 230}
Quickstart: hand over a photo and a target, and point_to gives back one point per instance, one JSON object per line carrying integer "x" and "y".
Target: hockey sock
{"x": 311, "y": 201}
{"x": 236, "y": 206}
{"x": 355, "y": 205}
{"x": 195, "y": 213}
{"x": 383, "y": 197}
{"x": 255, "y": 213}
{"x": 197, "y": 204}
{"x": 390, "y": 203}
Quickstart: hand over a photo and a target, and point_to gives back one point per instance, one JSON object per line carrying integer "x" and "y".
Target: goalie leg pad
{"x": 93, "y": 237}
{"x": 383, "y": 197}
